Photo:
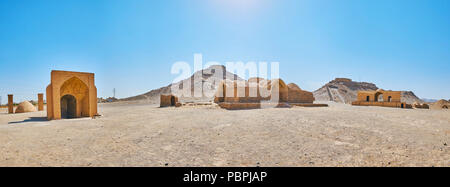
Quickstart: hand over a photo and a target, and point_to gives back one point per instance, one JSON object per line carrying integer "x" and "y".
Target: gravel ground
{"x": 146, "y": 135}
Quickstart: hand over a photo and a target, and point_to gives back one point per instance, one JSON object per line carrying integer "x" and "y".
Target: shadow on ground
{"x": 31, "y": 119}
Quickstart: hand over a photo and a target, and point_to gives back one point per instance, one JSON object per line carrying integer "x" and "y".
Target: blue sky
{"x": 131, "y": 45}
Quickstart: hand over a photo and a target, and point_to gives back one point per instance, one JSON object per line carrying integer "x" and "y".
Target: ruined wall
{"x": 421, "y": 106}
{"x": 383, "y": 104}
{"x": 342, "y": 80}
{"x": 250, "y": 94}
{"x": 168, "y": 100}
{"x": 253, "y": 91}
{"x": 300, "y": 96}
{"x": 10, "y": 104}
{"x": 40, "y": 102}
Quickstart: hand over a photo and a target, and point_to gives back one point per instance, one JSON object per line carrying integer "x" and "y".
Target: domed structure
{"x": 441, "y": 104}
{"x": 294, "y": 86}
{"x": 25, "y": 107}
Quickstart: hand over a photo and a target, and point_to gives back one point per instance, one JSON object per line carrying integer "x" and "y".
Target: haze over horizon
{"x": 132, "y": 45}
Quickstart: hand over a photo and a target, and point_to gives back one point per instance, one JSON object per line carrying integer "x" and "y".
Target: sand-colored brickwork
{"x": 168, "y": 100}
{"x": 381, "y": 98}
{"x": 258, "y": 92}
{"x": 71, "y": 94}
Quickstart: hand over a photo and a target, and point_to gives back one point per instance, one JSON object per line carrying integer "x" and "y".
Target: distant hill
{"x": 343, "y": 90}
{"x": 209, "y": 79}
{"x": 429, "y": 100}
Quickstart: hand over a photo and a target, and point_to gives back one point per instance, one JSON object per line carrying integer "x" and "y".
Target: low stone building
{"x": 71, "y": 95}
{"x": 380, "y": 98}
{"x": 168, "y": 100}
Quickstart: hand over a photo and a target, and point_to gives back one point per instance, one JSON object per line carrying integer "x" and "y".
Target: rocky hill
{"x": 410, "y": 98}
{"x": 207, "y": 79}
{"x": 343, "y": 90}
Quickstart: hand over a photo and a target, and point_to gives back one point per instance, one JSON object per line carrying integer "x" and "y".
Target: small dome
{"x": 441, "y": 104}
{"x": 294, "y": 86}
{"x": 25, "y": 107}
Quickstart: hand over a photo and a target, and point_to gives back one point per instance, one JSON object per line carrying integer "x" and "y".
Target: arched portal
{"x": 445, "y": 107}
{"x": 82, "y": 101}
{"x": 390, "y": 99}
{"x": 379, "y": 97}
{"x": 68, "y": 107}
{"x": 80, "y": 91}
{"x": 368, "y": 98}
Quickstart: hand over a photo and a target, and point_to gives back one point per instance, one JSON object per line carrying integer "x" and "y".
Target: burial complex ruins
{"x": 380, "y": 98}
{"x": 257, "y": 92}
{"x": 25, "y": 106}
{"x": 71, "y": 95}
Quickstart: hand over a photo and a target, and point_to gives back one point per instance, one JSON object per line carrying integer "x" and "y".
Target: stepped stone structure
{"x": 381, "y": 98}
{"x": 71, "y": 95}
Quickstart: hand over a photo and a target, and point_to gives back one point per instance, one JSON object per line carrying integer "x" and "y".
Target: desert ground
{"x": 130, "y": 134}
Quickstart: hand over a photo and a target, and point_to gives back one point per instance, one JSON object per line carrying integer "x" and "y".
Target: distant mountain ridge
{"x": 344, "y": 90}
{"x": 429, "y": 100}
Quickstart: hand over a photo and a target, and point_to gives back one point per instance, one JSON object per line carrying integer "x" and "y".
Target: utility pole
{"x": 114, "y": 93}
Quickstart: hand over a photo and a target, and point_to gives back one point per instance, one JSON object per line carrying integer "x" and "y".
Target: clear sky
{"x": 131, "y": 45}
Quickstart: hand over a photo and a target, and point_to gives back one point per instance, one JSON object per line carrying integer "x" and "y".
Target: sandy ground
{"x": 145, "y": 135}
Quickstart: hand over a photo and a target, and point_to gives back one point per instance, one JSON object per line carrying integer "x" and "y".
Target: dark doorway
{"x": 389, "y": 99}
{"x": 368, "y": 98}
{"x": 445, "y": 107}
{"x": 379, "y": 97}
{"x": 172, "y": 101}
{"x": 68, "y": 107}
{"x": 403, "y": 106}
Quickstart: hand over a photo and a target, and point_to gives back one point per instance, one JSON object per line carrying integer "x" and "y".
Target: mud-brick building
{"x": 257, "y": 92}
{"x": 71, "y": 95}
{"x": 381, "y": 98}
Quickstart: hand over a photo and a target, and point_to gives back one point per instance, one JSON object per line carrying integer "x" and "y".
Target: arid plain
{"x": 133, "y": 134}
